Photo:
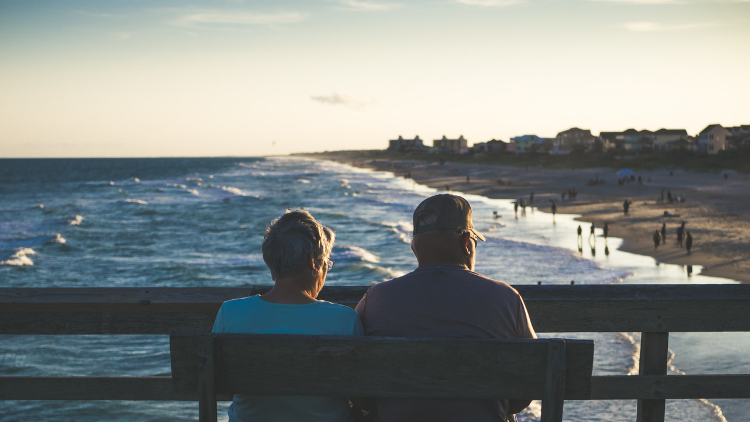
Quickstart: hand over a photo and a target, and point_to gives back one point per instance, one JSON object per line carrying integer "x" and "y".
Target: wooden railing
{"x": 653, "y": 310}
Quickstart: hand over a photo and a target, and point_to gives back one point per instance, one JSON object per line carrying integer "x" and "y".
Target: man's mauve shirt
{"x": 444, "y": 301}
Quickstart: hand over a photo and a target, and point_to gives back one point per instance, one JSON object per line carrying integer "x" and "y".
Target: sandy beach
{"x": 716, "y": 209}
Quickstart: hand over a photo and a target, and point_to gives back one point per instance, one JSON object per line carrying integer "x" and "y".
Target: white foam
{"x": 40, "y": 206}
{"x": 136, "y": 201}
{"x": 193, "y": 191}
{"x": 177, "y": 185}
{"x": 356, "y": 253}
{"x": 303, "y": 180}
{"x": 75, "y": 221}
{"x": 19, "y": 258}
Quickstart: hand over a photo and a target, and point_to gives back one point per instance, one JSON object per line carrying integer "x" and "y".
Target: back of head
{"x": 440, "y": 223}
{"x": 292, "y": 239}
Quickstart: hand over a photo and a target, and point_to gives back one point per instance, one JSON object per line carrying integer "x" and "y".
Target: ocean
{"x": 191, "y": 222}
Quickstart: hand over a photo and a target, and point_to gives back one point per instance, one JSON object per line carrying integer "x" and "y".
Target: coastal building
{"x": 496, "y": 145}
{"x": 525, "y": 143}
{"x": 740, "y": 138}
{"x": 456, "y": 146}
{"x": 608, "y": 140}
{"x": 402, "y": 144}
{"x": 480, "y": 148}
{"x": 573, "y": 139}
{"x": 713, "y": 139}
{"x": 666, "y": 138}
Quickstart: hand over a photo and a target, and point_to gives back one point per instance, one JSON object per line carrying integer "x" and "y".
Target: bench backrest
{"x": 381, "y": 366}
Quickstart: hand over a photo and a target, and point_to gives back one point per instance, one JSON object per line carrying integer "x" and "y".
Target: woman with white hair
{"x": 296, "y": 249}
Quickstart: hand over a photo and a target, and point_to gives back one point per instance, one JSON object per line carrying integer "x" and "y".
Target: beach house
{"x": 669, "y": 139}
{"x": 573, "y": 139}
{"x": 456, "y": 146}
{"x": 524, "y": 143}
{"x": 496, "y": 145}
{"x": 740, "y": 138}
{"x": 713, "y": 139}
{"x": 402, "y": 144}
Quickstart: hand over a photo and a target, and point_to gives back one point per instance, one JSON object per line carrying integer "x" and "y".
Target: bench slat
{"x": 380, "y": 367}
{"x": 160, "y": 388}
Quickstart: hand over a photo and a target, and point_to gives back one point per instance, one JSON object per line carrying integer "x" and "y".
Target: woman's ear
{"x": 312, "y": 262}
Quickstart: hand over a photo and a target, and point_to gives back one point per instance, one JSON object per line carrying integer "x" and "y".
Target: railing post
{"x": 653, "y": 361}
{"x": 206, "y": 383}
{"x": 554, "y": 390}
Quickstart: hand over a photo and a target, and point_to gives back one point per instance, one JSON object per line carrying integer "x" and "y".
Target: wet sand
{"x": 716, "y": 211}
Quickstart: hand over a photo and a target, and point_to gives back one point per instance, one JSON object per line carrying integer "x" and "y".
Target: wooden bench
{"x": 551, "y": 370}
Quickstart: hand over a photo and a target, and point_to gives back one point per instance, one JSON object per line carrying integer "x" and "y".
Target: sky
{"x": 249, "y": 78}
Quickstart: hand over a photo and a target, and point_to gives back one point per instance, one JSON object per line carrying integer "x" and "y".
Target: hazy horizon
{"x": 233, "y": 78}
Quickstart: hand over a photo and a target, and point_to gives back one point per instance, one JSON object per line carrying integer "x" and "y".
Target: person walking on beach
{"x": 444, "y": 297}
{"x": 626, "y": 206}
{"x": 554, "y": 210}
{"x": 680, "y": 234}
{"x": 657, "y": 239}
{"x": 663, "y": 232}
{"x": 515, "y": 208}
{"x": 580, "y": 232}
{"x": 592, "y": 232}
{"x": 688, "y": 242}
{"x": 531, "y": 198}
{"x": 606, "y": 230}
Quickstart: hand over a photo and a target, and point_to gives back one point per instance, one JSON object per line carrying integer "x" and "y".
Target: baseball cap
{"x": 450, "y": 211}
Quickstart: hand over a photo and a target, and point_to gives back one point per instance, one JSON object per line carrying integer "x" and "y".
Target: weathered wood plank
{"x": 554, "y": 391}
{"x": 705, "y": 293}
{"x": 206, "y": 380}
{"x": 547, "y": 321}
{"x": 654, "y": 359}
{"x": 620, "y": 387}
{"x": 90, "y": 388}
{"x": 381, "y": 367}
{"x": 610, "y": 308}
{"x": 670, "y": 387}
{"x": 158, "y": 388}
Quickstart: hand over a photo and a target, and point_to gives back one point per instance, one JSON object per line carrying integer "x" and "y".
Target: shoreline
{"x": 717, "y": 210}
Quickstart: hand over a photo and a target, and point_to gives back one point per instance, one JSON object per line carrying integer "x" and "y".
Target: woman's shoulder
{"x": 335, "y": 308}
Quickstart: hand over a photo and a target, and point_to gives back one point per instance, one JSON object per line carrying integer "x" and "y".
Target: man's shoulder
{"x": 468, "y": 280}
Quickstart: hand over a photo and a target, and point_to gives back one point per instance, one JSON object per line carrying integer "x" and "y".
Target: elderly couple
{"x": 443, "y": 297}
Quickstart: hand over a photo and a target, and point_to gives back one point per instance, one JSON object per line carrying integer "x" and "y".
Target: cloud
{"x": 669, "y": 1}
{"x": 655, "y": 26}
{"x": 122, "y": 36}
{"x": 342, "y": 100}
{"x": 490, "y": 3}
{"x": 367, "y": 6}
{"x": 212, "y": 17}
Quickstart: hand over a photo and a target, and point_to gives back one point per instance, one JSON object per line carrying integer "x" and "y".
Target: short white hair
{"x": 292, "y": 238}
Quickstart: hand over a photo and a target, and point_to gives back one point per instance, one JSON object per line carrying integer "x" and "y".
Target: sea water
{"x": 200, "y": 222}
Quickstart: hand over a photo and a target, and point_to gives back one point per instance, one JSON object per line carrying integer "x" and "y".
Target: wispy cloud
{"x": 367, "y": 6}
{"x": 670, "y": 1}
{"x": 655, "y": 26}
{"x": 213, "y": 17}
{"x": 99, "y": 15}
{"x": 342, "y": 100}
{"x": 490, "y": 3}
{"x": 123, "y": 36}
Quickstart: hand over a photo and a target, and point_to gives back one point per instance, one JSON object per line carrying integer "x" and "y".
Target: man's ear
{"x": 465, "y": 239}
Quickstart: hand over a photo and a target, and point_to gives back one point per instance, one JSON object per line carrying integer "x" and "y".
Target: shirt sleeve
{"x": 362, "y": 307}
{"x": 219, "y": 322}
{"x": 357, "y": 329}
{"x": 525, "y": 329}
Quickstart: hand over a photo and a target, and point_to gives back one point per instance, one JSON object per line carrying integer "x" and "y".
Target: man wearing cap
{"x": 444, "y": 297}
